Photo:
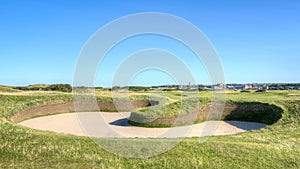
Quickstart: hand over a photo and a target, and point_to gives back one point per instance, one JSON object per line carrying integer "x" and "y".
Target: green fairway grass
{"x": 277, "y": 146}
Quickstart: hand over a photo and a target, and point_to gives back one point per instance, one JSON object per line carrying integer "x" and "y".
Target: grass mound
{"x": 8, "y": 89}
{"x": 191, "y": 111}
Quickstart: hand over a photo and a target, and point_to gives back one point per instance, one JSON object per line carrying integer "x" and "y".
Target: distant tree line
{"x": 131, "y": 88}
{"x": 52, "y": 87}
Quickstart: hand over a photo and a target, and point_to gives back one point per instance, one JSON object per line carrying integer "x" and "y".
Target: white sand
{"x": 106, "y": 125}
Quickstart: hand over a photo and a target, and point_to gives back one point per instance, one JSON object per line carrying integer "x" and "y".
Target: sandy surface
{"x": 107, "y": 125}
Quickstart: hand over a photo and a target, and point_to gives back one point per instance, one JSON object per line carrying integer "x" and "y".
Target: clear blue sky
{"x": 257, "y": 40}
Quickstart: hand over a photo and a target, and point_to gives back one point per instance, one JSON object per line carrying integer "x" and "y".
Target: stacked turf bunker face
{"x": 173, "y": 115}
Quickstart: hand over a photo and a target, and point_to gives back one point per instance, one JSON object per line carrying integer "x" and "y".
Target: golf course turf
{"x": 277, "y": 146}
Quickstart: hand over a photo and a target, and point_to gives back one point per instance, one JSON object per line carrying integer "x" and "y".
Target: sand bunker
{"x": 110, "y": 125}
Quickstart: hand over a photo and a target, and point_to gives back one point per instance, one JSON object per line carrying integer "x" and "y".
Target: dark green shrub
{"x": 245, "y": 91}
{"x": 59, "y": 87}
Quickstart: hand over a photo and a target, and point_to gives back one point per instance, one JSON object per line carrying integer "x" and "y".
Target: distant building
{"x": 248, "y": 87}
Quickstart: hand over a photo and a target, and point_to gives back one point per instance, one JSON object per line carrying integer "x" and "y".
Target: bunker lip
{"x": 68, "y": 124}
{"x": 82, "y": 106}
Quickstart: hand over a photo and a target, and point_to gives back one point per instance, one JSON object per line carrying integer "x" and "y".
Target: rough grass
{"x": 7, "y": 89}
{"x": 277, "y": 146}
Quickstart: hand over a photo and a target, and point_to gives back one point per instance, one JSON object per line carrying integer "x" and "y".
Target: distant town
{"x": 236, "y": 86}
{"x": 189, "y": 86}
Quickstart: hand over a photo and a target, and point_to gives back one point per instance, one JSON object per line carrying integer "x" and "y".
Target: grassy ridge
{"x": 8, "y": 89}
{"x": 11, "y": 104}
{"x": 278, "y": 146}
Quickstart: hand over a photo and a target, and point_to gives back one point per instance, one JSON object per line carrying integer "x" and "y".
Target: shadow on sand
{"x": 120, "y": 122}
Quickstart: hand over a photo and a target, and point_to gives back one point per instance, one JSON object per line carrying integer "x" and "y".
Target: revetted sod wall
{"x": 66, "y": 107}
